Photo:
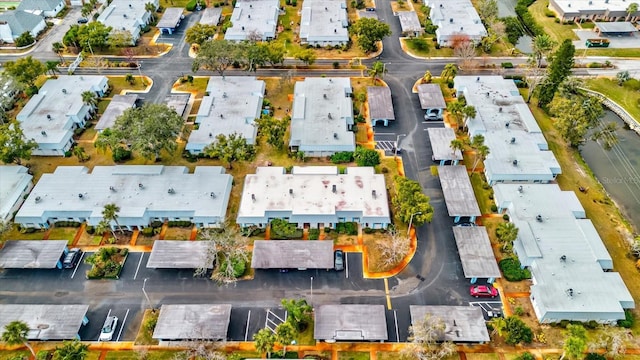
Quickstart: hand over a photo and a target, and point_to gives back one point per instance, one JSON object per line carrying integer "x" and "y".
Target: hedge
{"x": 74, "y": 224}
{"x": 522, "y": 10}
{"x": 511, "y": 269}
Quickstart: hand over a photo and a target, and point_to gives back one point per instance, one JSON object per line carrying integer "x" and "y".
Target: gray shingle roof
{"x": 44, "y": 5}
{"x": 20, "y": 21}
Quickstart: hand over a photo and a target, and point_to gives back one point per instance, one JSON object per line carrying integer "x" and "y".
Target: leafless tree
{"x": 464, "y": 49}
{"x": 613, "y": 341}
{"x": 254, "y": 36}
{"x": 223, "y": 247}
{"x": 534, "y": 76}
{"x": 393, "y": 250}
{"x": 201, "y": 348}
{"x": 424, "y": 335}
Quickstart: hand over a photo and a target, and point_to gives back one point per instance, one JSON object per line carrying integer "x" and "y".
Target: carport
{"x": 179, "y": 254}
{"x": 348, "y": 322}
{"x": 462, "y": 323}
{"x": 47, "y": 322}
{"x": 431, "y": 101}
{"x": 380, "y": 105}
{"x": 609, "y": 29}
{"x": 170, "y": 20}
{"x": 440, "y": 139}
{"x": 32, "y": 254}
{"x": 292, "y": 254}
{"x": 192, "y": 322}
{"x": 458, "y": 192}
{"x": 476, "y": 253}
{"x": 178, "y": 102}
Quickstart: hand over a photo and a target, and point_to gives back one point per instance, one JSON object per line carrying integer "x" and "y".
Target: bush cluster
{"x": 121, "y": 154}
{"x": 342, "y": 157}
{"x": 191, "y": 5}
{"x": 628, "y": 321}
{"x": 180, "y": 223}
{"x": 522, "y": 10}
{"x": 314, "y": 234}
{"x": 348, "y": 228}
{"x": 512, "y": 271}
{"x": 74, "y": 224}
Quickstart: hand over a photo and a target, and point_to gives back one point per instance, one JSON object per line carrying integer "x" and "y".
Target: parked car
{"x": 483, "y": 291}
{"x": 371, "y": 9}
{"x": 338, "y": 260}
{"x": 109, "y": 327}
{"x": 83, "y": 20}
{"x": 467, "y": 224}
{"x": 71, "y": 259}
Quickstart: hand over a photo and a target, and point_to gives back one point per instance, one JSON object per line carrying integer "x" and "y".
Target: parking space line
{"x": 138, "y": 268}
{"x": 122, "y": 325}
{"x": 346, "y": 264}
{"x": 395, "y": 319}
{"x": 386, "y": 292}
{"x": 77, "y": 265}
{"x": 246, "y": 332}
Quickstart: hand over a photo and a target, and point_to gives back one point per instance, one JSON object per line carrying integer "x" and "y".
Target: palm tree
{"x": 631, "y": 9}
{"x": 377, "y": 70}
{"x": 285, "y": 334}
{"x": 507, "y": 233}
{"x": 469, "y": 112}
{"x": 110, "y": 213}
{"x": 426, "y": 79}
{"x": 265, "y": 339}
{"x": 71, "y": 350}
{"x": 449, "y": 72}
{"x": 482, "y": 150}
{"x": 102, "y": 227}
{"x": 90, "y": 99}
{"x": 541, "y": 46}
{"x": 79, "y": 152}
{"x": 361, "y": 97}
{"x": 455, "y": 109}
{"x": 58, "y": 48}
{"x": 52, "y": 67}
{"x": 456, "y": 144}
{"x": 151, "y": 9}
{"x": 15, "y": 333}
{"x": 129, "y": 79}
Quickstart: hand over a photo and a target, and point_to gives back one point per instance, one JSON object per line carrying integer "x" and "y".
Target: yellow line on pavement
{"x": 386, "y": 292}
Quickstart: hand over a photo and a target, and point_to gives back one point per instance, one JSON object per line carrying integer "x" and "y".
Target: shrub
{"x": 507, "y": 65}
{"x": 314, "y": 234}
{"x": 238, "y": 265}
{"x": 505, "y": 217}
{"x": 348, "y": 228}
{"x": 180, "y": 223}
{"x": 633, "y": 84}
{"x": 522, "y": 10}
{"x": 595, "y": 64}
{"x": 512, "y": 270}
{"x": 359, "y": 119}
{"x": 518, "y": 311}
{"x": 594, "y": 356}
{"x": 284, "y": 230}
{"x": 121, "y": 154}
{"x": 294, "y": 2}
{"x": 148, "y": 231}
{"x": 526, "y": 356}
{"x": 342, "y": 157}
{"x": 420, "y": 44}
{"x": 336, "y": 65}
{"x": 549, "y": 13}
{"x": 151, "y": 323}
{"x": 366, "y": 157}
{"x": 628, "y": 320}
{"x": 494, "y": 208}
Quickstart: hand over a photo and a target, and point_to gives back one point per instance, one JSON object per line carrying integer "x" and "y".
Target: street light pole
{"x": 411, "y": 221}
{"x": 144, "y": 283}
{"x": 395, "y": 153}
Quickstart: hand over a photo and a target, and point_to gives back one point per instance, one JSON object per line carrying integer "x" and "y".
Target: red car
{"x": 483, "y": 291}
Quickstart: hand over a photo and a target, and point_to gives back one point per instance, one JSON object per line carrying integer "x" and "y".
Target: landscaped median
{"x": 107, "y": 263}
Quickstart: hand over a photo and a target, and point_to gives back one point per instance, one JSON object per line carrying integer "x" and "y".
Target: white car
{"x": 109, "y": 327}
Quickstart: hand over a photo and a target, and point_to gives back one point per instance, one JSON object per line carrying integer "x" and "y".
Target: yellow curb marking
{"x": 386, "y": 292}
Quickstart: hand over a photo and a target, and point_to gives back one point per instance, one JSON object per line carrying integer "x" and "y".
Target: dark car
{"x": 483, "y": 291}
{"x": 467, "y": 224}
{"x": 371, "y": 9}
{"x": 83, "y": 20}
{"x": 71, "y": 259}
{"x": 338, "y": 260}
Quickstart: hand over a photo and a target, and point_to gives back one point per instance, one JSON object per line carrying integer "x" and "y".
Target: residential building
{"x": 232, "y": 105}
{"x": 571, "y": 269}
{"x": 15, "y": 184}
{"x": 14, "y": 23}
{"x": 128, "y": 15}
{"x": 46, "y": 8}
{"x": 51, "y": 115}
{"x": 518, "y": 149}
{"x": 410, "y": 24}
{"x": 594, "y": 10}
{"x": 253, "y": 20}
{"x": 314, "y": 196}
{"x": 380, "y": 105}
{"x": 322, "y": 118}
{"x": 117, "y": 106}
{"x": 144, "y": 193}
{"x": 455, "y": 19}
{"x": 324, "y": 23}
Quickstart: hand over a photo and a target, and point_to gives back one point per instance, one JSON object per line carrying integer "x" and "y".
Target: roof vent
{"x": 478, "y": 79}
{"x": 38, "y": 199}
{"x": 513, "y": 140}
{"x": 451, "y": 20}
{"x": 454, "y": 322}
{"x": 130, "y": 6}
{"x": 224, "y": 94}
{"x": 43, "y": 133}
{"x": 563, "y": 258}
{"x": 488, "y": 94}
{"x": 506, "y": 124}
{"x": 64, "y": 91}
{"x": 539, "y": 218}
{"x": 253, "y": 197}
{"x": 373, "y": 194}
{"x": 335, "y": 30}
{"x": 334, "y": 189}
{"x": 569, "y": 5}
{"x": 461, "y": 28}
{"x": 140, "y": 185}
{"x": 329, "y": 116}
{"x": 248, "y": 16}
{"x": 520, "y": 189}
{"x": 330, "y": 20}
{"x": 324, "y": 96}
{"x": 112, "y": 188}
{"x": 210, "y": 134}
{"x": 500, "y": 109}
{"x": 243, "y": 28}
{"x": 124, "y": 16}
{"x": 570, "y": 292}
{"x": 335, "y": 135}
{"x": 291, "y": 192}
{"x": 515, "y": 162}
{"x": 326, "y": 8}
{"x": 250, "y": 6}
{"x": 171, "y": 191}
{"x": 221, "y": 116}
{"x": 49, "y": 116}
{"x": 590, "y": 2}
{"x": 212, "y": 195}
{"x": 441, "y": 5}
{"x": 80, "y": 196}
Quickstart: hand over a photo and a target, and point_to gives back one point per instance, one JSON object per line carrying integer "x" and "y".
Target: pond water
{"x": 618, "y": 169}
{"x": 507, "y": 8}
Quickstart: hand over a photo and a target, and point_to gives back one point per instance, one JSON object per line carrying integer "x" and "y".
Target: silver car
{"x": 109, "y": 327}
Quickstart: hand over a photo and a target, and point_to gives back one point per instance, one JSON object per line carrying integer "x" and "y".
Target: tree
{"x": 273, "y": 130}
{"x": 455, "y": 110}
{"x": 228, "y": 245}
{"x": 14, "y": 147}
{"x": 298, "y": 313}
{"x": 151, "y": 8}
{"x": 230, "y": 148}
{"x": 148, "y": 129}
{"x": 199, "y": 33}
{"x": 463, "y": 48}
{"x": 533, "y": 76}
{"x": 622, "y": 77}
{"x": 265, "y": 340}
{"x": 541, "y": 46}
{"x": 25, "y": 39}
{"x": 607, "y": 133}
{"x": 366, "y": 157}
{"x": 92, "y": 36}
{"x": 488, "y": 11}
{"x": 507, "y": 233}
{"x": 424, "y": 335}
{"x": 25, "y": 70}
{"x": 110, "y": 213}
{"x": 307, "y": 56}
{"x": 255, "y": 54}
{"x": 216, "y": 56}
{"x": 378, "y": 69}
{"x": 80, "y": 153}
{"x": 613, "y": 341}
{"x": 481, "y": 150}
{"x": 120, "y": 39}
{"x": 86, "y": 10}
{"x": 410, "y": 201}
{"x": 394, "y": 249}
{"x": 276, "y": 52}
{"x": 285, "y": 334}
{"x": 456, "y": 145}
{"x": 71, "y": 350}
{"x": 427, "y": 77}
{"x": 369, "y": 31}
{"x": 575, "y": 342}
{"x": 575, "y": 116}
{"x": 15, "y": 333}
{"x": 495, "y": 32}
{"x": 631, "y": 9}
{"x": 449, "y": 72}
{"x": 52, "y": 67}
{"x": 516, "y": 331}
{"x": 5, "y": 227}
{"x": 559, "y": 69}
{"x": 104, "y": 226}
{"x": 90, "y": 98}
{"x": 129, "y": 79}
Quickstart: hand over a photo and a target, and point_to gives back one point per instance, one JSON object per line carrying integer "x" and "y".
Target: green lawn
{"x": 118, "y": 84}
{"x": 14, "y": 234}
{"x": 432, "y": 51}
{"x": 625, "y": 97}
{"x": 482, "y": 194}
{"x": 10, "y": 355}
{"x": 557, "y": 31}
{"x": 63, "y": 233}
{"x": 613, "y": 52}
{"x": 353, "y": 355}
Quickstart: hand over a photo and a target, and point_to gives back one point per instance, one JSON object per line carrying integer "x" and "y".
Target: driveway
{"x": 43, "y": 49}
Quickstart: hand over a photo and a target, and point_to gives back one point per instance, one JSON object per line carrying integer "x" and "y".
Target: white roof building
{"x": 232, "y": 106}
{"x": 570, "y": 266}
{"x": 605, "y": 10}
{"x": 57, "y": 109}
{"x": 324, "y": 22}
{"x": 254, "y": 19}
{"x": 322, "y": 117}
{"x": 128, "y": 15}
{"x": 518, "y": 149}
{"x": 314, "y": 195}
{"x": 144, "y": 193}
{"x": 15, "y": 183}
{"x": 454, "y": 18}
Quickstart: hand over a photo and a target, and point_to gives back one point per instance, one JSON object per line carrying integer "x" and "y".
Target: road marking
{"x": 386, "y": 292}
{"x": 346, "y": 265}
{"x": 77, "y": 265}
{"x": 395, "y": 319}
{"x": 138, "y": 268}
{"x": 246, "y": 332}
{"x": 122, "y": 325}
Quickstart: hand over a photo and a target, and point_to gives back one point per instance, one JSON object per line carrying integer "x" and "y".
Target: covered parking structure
{"x": 431, "y": 101}
{"x": 179, "y": 322}
{"x": 46, "y": 322}
{"x": 380, "y": 105}
{"x": 458, "y": 193}
{"x": 462, "y": 323}
{"x": 476, "y": 253}
{"x": 33, "y": 254}
{"x": 180, "y": 254}
{"x": 170, "y": 20}
{"x": 440, "y": 139}
{"x": 349, "y": 322}
{"x": 608, "y": 29}
{"x": 292, "y": 254}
